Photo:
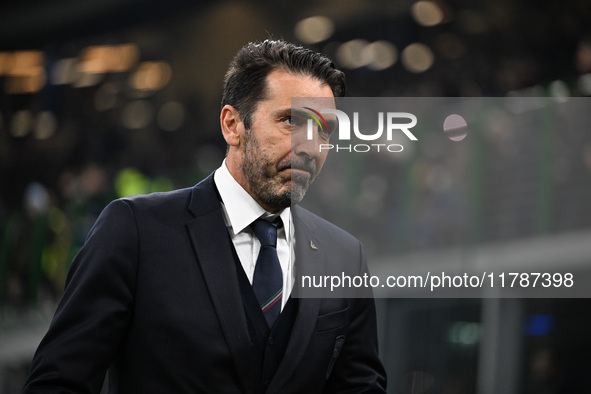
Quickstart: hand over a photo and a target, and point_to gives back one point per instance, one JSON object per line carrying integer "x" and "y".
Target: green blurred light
{"x": 129, "y": 182}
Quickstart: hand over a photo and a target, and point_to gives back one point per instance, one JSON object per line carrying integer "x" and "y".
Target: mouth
{"x": 299, "y": 167}
{"x": 298, "y": 174}
{"x": 301, "y": 177}
{"x": 295, "y": 170}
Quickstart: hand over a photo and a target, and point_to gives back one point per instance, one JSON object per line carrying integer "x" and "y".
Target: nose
{"x": 307, "y": 143}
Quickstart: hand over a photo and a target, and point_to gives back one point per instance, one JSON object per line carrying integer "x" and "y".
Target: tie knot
{"x": 266, "y": 231}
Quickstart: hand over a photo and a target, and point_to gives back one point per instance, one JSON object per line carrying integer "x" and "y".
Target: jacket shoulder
{"x": 160, "y": 201}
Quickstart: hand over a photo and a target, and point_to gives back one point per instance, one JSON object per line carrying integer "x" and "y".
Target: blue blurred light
{"x": 539, "y": 325}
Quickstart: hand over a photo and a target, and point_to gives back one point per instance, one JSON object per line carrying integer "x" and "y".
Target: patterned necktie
{"x": 268, "y": 277}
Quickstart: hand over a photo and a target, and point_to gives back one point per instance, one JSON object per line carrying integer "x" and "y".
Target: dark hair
{"x": 245, "y": 80}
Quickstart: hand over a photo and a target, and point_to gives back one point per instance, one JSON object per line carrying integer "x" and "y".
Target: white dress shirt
{"x": 240, "y": 210}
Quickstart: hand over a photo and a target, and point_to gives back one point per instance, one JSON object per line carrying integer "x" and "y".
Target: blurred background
{"x": 102, "y": 99}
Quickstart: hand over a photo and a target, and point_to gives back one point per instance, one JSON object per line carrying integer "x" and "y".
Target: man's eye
{"x": 332, "y": 126}
{"x": 293, "y": 121}
{"x": 324, "y": 133}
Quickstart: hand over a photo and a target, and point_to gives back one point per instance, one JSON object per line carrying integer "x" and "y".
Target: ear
{"x": 232, "y": 126}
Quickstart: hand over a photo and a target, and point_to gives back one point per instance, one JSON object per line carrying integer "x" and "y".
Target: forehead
{"x": 282, "y": 86}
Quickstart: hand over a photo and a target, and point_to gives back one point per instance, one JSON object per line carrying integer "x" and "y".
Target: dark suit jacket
{"x": 153, "y": 296}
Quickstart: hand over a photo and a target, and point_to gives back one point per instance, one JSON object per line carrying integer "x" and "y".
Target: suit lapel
{"x": 213, "y": 248}
{"x": 309, "y": 261}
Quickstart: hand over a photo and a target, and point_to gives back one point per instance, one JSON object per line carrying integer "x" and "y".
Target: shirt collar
{"x": 240, "y": 209}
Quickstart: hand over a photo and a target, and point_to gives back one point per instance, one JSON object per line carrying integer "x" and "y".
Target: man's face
{"x": 278, "y": 163}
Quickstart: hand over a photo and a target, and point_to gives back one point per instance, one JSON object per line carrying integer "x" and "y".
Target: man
{"x": 165, "y": 293}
